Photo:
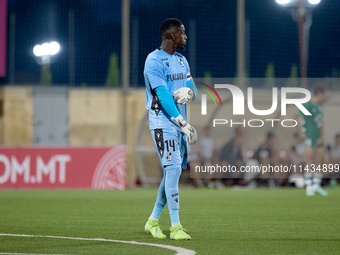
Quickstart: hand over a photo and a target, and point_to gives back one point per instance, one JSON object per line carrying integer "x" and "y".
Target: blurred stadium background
{"x": 91, "y": 95}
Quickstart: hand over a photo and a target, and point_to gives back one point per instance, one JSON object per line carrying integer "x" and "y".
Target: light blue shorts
{"x": 171, "y": 146}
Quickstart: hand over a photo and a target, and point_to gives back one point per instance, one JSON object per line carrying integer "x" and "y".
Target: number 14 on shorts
{"x": 170, "y": 144}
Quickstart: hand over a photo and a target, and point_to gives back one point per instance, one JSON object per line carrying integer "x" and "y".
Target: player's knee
{"x": 173, "y": 170}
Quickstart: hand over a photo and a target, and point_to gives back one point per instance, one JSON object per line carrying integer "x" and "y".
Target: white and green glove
{"x": 184, "y": 95}
{"x": 187, "y": 129}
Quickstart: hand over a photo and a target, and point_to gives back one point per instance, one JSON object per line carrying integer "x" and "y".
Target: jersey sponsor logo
{"x": 176, "y": 76}
{"x": 164, "y": 59}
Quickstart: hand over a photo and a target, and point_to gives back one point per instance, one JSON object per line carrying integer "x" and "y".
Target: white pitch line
{"x": 179, "y": 250}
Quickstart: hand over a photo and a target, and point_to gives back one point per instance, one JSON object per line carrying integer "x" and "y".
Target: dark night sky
{"x": 273, "y": 36}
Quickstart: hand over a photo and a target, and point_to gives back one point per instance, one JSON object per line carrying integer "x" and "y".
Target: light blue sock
{"x": 160, "y": 201}
{"x": 173, "y": 173}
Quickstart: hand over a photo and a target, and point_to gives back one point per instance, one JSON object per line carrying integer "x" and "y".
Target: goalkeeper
{"x": 169, "y": 87}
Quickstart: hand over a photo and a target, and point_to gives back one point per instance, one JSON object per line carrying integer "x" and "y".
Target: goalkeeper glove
{"x": 184, "y": 95}
{"x": 187, "y": 129}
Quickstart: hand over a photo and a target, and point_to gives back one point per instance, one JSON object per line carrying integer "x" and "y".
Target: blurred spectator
{"x": 333, "y": 157}
{"x": 232, "y": 154}
{"x": 206, "y": 144}
{"x": 195, "y": 161}
{"x": 267, "y": 154}
{"x": 334, "y": 151}
{"x": 298, "y": 150}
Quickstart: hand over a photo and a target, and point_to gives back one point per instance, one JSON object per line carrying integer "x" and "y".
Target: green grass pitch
{"x": 259, "y": 221}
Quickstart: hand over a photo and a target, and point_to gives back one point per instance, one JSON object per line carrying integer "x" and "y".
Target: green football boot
{"x": 321, "y": 191}
{"x": 177, "y": 233}
{"x": 153, "y": 227}
{"x": 310, "y": 192}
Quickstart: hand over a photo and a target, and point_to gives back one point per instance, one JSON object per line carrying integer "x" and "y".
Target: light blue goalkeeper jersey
{"x": 171, "y": 71}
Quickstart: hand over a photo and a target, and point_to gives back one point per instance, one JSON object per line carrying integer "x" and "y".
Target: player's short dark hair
{"x": 169, "y": 23}
{"x": 319, "y": 89}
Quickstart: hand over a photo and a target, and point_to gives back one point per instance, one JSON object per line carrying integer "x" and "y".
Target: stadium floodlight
{"x": 46, "y": 49}
{"x": 301, "y": 11}
{"x": 284, "y": 2}
{"x": 314, "y": 2}
{"x": 54, "y": 48}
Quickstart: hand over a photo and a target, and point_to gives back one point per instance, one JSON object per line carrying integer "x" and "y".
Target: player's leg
{"x": 317, "y": 176}
{"x": 160, "y": 201}
{"x": 173, "y": 173}
{"x": 152, "y": 226}
{"x": 309, "y": 175}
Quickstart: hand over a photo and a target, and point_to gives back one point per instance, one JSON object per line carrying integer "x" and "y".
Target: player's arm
{"x": 188, "y": 93}
{"x": 169, "y": 106}
{"x": 322, "y": 129}
{"x": 155, "y": 74}
{"x": 300, "y": 118}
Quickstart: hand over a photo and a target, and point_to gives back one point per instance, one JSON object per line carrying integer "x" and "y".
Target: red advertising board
{"x": 63, "y": 168}
{"x": 3, "y": 38}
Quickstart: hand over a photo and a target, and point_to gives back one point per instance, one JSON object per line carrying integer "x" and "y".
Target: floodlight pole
{"x": 303, "y": 18}
{"x": 241, "y": 42}
{"x": 125, "y": 59}
{"x": 125, "y": 63}
{"x": 12, "y": 48}
{"x": 303, "y": 37}
{"x": 71, "y": 55}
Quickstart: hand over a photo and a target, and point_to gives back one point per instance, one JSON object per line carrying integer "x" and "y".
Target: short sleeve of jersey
{"x": 154, "y": 72}
{"x": 307, "y": 106}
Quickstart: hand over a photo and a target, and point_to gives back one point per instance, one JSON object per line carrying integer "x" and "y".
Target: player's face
{"x": 181, "y": 38}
